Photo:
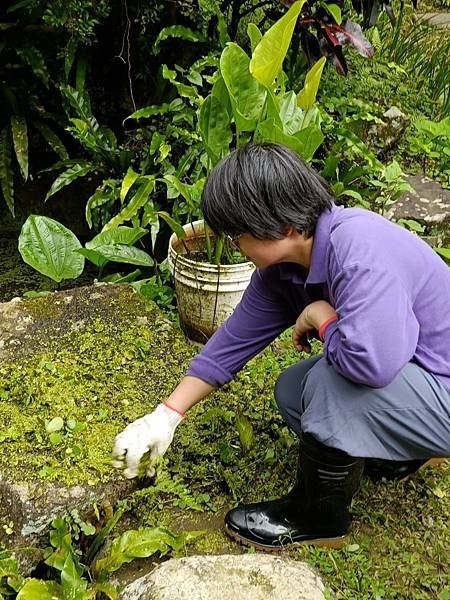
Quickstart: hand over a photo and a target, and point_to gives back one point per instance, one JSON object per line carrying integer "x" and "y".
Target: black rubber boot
{"x": 378, "y": 469}
{"x": 315, "y": 512}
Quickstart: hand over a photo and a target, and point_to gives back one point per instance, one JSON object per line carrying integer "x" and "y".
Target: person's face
{"x": 265, "y": 252}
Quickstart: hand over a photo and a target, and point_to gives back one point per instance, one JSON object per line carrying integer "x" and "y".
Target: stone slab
{"x": 429, "y": 203}
{"x": 100, "y": 356}
{"x": 435, "y": 19}
{"x": 228, "y": 577}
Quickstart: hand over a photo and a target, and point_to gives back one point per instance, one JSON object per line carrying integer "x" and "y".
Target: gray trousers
{"x": 407, "y": 419}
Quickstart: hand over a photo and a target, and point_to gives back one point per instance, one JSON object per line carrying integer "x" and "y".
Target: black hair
{"x": 262, "y": 189}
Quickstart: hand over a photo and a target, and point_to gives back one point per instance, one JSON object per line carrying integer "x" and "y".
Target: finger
{"x": 133, "y": 459}
{"x": 120, "y": 447}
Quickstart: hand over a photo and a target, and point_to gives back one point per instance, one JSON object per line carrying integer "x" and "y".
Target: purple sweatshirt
{"x": 391, "y": 292}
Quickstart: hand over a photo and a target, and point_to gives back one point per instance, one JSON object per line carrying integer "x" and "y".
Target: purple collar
{"x": 317, "y": 272}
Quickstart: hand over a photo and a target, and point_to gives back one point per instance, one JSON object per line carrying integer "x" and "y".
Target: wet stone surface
{"x": 227, "y": 577}
{"x": 428, "y": 204}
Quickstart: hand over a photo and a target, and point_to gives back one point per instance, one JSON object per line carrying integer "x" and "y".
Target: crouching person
{"x": 378, "y": 399}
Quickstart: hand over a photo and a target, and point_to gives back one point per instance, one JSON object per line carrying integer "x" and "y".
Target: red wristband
{"x": 325, "y": 325}
{"x": 177, "y": 410}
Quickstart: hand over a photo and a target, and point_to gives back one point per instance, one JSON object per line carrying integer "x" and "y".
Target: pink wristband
{"x": 177, "y": 410}
{"x": 325, "y": 325}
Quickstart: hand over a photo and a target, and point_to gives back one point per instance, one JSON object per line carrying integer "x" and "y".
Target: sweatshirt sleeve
{"x": 377, "y": 331}
{"x": 259, "y": 318}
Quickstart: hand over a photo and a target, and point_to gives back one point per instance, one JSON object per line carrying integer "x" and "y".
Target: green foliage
{"x": 81, "y": 576}
{"x": 269, "y": 54}
{"x": 24, "y": 82}
{"x": 432, "y": 140}
{"x": 224, "y": 109}
{"x": 50, "y": 248}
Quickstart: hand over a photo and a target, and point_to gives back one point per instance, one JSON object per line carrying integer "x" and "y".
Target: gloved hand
{"x": 153, "y": 432}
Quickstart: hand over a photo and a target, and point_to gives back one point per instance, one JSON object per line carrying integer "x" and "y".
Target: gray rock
{"x": 429, "y": 203}
{"x": 436, "y": 19}
{"x": 99, "y": 355}
{"x": 227, "y": 577}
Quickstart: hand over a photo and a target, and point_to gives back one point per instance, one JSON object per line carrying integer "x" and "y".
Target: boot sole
{"x": 432, "y": 462}
{"x": 333, "y": 542}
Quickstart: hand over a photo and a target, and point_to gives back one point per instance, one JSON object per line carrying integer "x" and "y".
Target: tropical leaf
{"x": 118, "y": 235}
{"x": 307, "y": 96}
{"x": 141, "y": 543}
{"x": 254, "y": 35}
{"x": 214, "y": 125}
{"x": 269, "y": 54}
{"x": 178, "y": 31}
{"x": 121, "y": 253}
{"x": 247, "y": 95}
{"x": 290, "y": 113}
{"x": 81, "y": 169}
{"x": 352, "y": 34}
{"x": 50, "y": 248}
{"x": 132, "y": 208}
{"x": 176, "y": 227}
{"x": 128, "y": 181}
{"x": 150, "y": 111}
{"x": 20, "y": 140}
{"x": 6, "y": 172}
{"x": 310, "y": 46}
{"x": 52, "y": 139}
{"x": 99, "y": 198}
{"x": 37, "y": 589}
{"x": 334, "y": 11}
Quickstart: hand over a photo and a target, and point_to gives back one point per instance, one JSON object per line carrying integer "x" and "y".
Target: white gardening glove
{"x": 152, "y": 433}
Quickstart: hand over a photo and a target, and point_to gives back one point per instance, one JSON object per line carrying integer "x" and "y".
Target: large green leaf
{"x": 99, "y": 260}
{"x": 99, "y": 198}
{"x": 140, "y": 544}
{"x": 133, "y": 544}
{"x": 117, "y": 235}
{"x": 178, "y": 31}
{"x": 49, "y": 247}
{"x": 176, "y": 227}
{"x": 269, "y": 54}
{"x": 214, "y": 125}
{"x": 150, "y": 111}
{"x": 135, "y": 204}
{"x": 246, "y": 94}
{"x": 311, "y": 138}
{"x": 52, "y": 139}
{"x": 37, "y": 589}
{"x": 304, "y": 142}
{"x": 269, "y": 131}
{"x": 220, "y": 91}
{"x": 20, "y": 139}
{"x": 122, "y": 253}
{"x": 6, "y": 172}
{"x": 307, "y": 96}
{"x": 79, "y": 170}
{"x": 130, "y": 178}
{"x": 254, "y": 34}
{"x": 290, "y": 114}
{"x": 71, "y": 580}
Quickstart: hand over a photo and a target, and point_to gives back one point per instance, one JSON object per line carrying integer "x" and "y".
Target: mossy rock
{"x": 91, "y": 359}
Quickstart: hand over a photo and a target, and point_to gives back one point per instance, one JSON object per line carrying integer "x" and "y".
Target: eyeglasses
{"x": 234, "y": 241}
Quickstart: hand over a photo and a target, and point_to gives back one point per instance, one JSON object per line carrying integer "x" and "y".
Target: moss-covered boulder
{"x": 75, "y": 368}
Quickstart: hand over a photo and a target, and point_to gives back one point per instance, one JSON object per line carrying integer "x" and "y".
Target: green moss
{"x": 97, "y": 380}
